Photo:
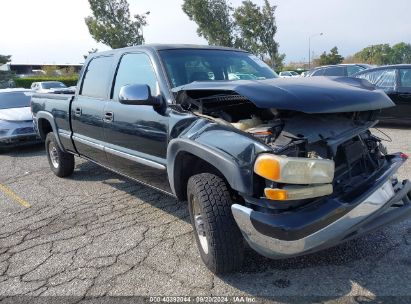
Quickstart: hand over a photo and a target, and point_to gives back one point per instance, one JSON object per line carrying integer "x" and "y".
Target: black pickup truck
{"x": 289, "y": 166}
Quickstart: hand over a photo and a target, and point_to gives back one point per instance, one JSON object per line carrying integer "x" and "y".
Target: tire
{"x": 61, "y": 163}
{"x": 218, "y": 237}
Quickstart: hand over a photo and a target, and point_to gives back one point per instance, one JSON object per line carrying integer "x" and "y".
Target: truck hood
{"x": 308, "y": 95}
{"x": 16, "y": 114}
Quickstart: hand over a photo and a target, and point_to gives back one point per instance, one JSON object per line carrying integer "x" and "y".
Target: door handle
{"x": 77, "y": 112}
{"x": 108, "y": 117}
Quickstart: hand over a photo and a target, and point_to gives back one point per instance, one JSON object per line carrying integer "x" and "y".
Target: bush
{"x": 27, "y": 81}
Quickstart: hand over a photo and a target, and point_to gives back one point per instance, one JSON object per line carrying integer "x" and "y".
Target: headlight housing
{"x": 294, "y": 170}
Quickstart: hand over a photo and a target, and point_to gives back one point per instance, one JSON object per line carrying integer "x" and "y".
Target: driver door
{"x": 137, "y": 135}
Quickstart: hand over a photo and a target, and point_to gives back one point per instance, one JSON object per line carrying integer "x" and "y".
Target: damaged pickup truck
{"x": 288, "y": 166}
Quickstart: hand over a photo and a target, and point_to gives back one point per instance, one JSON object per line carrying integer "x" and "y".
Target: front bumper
{"x": 334, "y": 221}
{"x": 19, "y": 140}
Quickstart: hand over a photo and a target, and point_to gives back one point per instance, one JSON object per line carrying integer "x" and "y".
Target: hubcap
{"x": 54, "y": 156}
{"x": 199, "y": 225}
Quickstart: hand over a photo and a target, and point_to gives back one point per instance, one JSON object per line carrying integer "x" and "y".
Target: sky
{"x": 53, "y": 31}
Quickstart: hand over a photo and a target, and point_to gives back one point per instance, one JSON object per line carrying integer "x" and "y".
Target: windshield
{"x": 53, "y": 85}
{"x": 186, "y": 66}
{"x": 14, "y": 100}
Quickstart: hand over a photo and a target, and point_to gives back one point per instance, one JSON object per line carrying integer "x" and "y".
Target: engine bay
{"x": 342, "y": 137}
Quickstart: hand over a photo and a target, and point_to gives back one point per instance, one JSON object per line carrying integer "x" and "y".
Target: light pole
{"x": 309, "y": 48}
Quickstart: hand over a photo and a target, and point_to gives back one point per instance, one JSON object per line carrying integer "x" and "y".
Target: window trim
{"x": 118, "y": 63}
{"x": 84, "y": 75}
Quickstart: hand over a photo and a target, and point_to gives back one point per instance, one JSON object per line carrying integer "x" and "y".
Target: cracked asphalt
{"x": 99, "y": 234}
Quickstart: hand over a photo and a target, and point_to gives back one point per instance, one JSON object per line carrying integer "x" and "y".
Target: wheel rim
{"x": 54, "y": 156}
{"x": 199, "y": 225}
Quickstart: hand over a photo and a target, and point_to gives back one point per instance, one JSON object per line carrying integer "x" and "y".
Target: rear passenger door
{"x": 87, "y": 110}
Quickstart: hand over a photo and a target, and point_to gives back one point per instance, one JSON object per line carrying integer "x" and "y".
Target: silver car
{"x": 16, "y": 123}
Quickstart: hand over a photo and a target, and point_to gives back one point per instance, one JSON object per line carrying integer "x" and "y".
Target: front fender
{"x": 229, "y": 150}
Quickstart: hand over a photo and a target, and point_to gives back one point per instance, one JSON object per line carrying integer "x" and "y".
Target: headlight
{"x": 294, "y": 170}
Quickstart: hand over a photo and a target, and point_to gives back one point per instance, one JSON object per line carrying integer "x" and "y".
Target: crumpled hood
{"x": 16, "y": 114}
{"x": 308, "y": 95}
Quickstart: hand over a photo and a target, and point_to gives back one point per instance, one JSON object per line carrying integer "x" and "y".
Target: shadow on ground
{"x": 322, "y": 276}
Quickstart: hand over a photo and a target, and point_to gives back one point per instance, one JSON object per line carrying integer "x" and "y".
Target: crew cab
{"x": 289, "y": 166}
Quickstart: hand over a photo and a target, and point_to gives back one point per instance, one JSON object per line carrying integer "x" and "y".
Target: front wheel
{"x": 218, "y": 237}
{"x": 61, "y": 163}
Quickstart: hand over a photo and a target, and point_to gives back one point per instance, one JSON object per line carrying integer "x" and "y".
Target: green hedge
{"x": 27, "y": 81}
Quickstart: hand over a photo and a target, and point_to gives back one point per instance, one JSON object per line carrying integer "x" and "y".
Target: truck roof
{"x": 159, "y": 47}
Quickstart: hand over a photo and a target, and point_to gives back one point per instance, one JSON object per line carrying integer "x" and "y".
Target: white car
{"x": 16, "y": 122}
{"x": 48, "y": 86}
{"x": 288, "y": 74}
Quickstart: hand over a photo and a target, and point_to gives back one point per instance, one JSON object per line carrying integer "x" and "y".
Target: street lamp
{"x": 309, "y": 48}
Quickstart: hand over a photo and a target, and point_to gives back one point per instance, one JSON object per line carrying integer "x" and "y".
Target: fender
{"x": 49, "y": 117}
{"x": 233, "y": 158}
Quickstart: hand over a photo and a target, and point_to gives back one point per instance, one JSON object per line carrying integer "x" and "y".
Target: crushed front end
{"x": 328, "y": 179}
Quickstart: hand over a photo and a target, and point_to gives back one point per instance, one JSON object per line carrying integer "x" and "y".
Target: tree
{"x": 248, "y": 26}
{"x": 5, "y": 76}
{"x": 400, "y": 53}
{"x": 112, "y": 24}
{"x": 92, "y": 51}
{"x": 4, "y": 59}
{"x": 331, "y": 58}
{"x": 375, "y": 54}
{"x": 269, "y": 29}
{"x": 214, "y": 20}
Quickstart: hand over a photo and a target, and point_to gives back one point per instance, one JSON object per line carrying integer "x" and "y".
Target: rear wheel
{"x": 61, "y": 163}
{"x": 218, "y": 237}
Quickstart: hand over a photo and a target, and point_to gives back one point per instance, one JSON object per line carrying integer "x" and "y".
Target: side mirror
{"x": 137, "y": 94}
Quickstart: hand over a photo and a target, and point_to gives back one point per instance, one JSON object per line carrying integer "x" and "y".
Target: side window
{"x": 335, "y": 71}
{"x": 405, "y": 78}
{"x": 352, "y": 69}
{"x": 135, "y": 69}
{"x": 318, "y": 72}
{"x": 96, "y": 77}
{"x": 386, "y": 81}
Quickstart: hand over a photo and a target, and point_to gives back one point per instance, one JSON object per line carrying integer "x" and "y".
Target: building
{"x": 25, "y": 69}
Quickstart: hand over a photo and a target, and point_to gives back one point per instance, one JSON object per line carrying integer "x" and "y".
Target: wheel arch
{"x": 47, "y": 124}
{"x": 186, "y": 158}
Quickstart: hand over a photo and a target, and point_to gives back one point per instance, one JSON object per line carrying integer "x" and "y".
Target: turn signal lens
{"x": 276, "y": 194}
{"x": 267, "y": 167}
{"x": 289, "y": 193}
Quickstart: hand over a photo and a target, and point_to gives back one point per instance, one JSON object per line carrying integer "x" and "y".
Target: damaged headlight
{"x": 294, "y": 170}
{"x": 315, "y": 174}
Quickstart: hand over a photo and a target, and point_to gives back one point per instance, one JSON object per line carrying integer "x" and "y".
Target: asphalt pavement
{"x": 99, "y": 234}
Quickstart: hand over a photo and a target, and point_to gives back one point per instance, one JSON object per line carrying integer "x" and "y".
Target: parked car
{"x": 288, "y": 74}
{"x": 48, "y": 86}
{"x": 16, "y": 122}
{"x": 395, "y": 80}
{"x": 288, "y": 165}
{"x": 338, "y": 70}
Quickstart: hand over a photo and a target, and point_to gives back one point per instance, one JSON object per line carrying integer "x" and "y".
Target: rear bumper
{"x": 311, "y": 229}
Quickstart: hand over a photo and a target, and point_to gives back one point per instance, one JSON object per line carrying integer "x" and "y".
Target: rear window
{"x": 52, "y": 85}
{"x": 14, "y": 100}
{"x": 95, "y": 83}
